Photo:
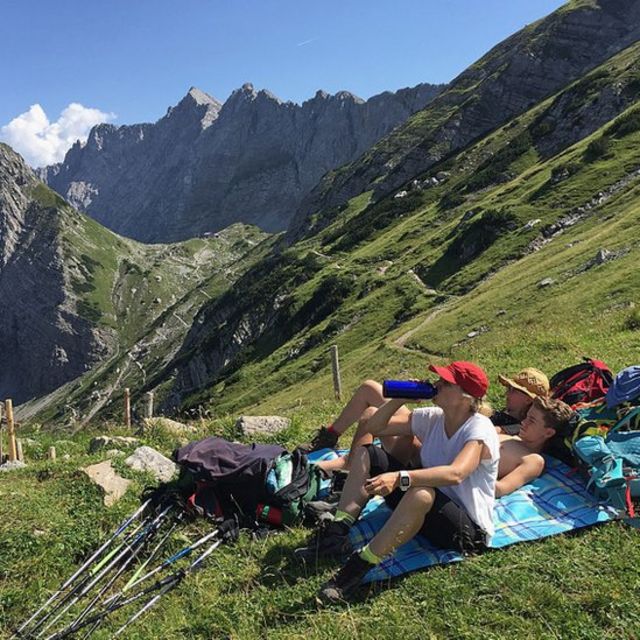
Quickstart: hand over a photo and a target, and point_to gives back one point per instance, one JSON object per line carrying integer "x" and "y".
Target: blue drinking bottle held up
{"x": 411, "y": 389}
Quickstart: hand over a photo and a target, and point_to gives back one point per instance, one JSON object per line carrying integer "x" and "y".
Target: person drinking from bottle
{"x": 520, "y": 391}
{"x": 449, "y": 498}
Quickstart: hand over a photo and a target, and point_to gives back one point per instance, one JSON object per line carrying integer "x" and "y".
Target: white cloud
{"x": 41, "y": 142}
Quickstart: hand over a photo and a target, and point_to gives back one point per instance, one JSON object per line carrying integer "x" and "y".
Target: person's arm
{"x": 531, "y": 466}
{"x": 384, "y": 423}
{"x": 464, "y": 464}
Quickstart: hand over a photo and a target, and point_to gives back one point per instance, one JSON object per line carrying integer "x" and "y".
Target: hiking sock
{"x": 343, "y": 516}
{"x": 369, "y": 556}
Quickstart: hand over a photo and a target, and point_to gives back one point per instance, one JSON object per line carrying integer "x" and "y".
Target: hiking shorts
{"x": 447, "y": 525}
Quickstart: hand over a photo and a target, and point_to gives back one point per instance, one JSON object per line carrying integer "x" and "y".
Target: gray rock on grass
{"x": 262, "y": 425}
{"x": 111, "y": 442}
{"x": 149, "y": 460}
{"x": 12, "y": 465}
{"x": 105, "y": 476}
{"x": 168, "y": 426}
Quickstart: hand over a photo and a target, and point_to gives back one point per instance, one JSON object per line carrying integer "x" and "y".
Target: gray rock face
{"x": 206, "y": 165}
{"x": 516, "y": 74}
{"x": 262, "y": 425}
{"x": 148, "y": 459}
{"x": 43, "y": 340}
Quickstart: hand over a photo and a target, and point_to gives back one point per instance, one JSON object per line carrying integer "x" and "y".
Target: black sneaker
{"x": 330, "y": 541}
{"x": 345, "y": 582}
{"x": 324, "y": 439}
{"x": 316, "y": 509}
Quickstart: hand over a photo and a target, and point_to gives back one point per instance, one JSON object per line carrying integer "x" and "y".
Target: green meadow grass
{"x": 361, "y": 258}
{"x": 571, "y": 586}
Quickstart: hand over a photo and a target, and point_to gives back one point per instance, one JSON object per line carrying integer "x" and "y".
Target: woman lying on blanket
{"x": 449, "y": 499}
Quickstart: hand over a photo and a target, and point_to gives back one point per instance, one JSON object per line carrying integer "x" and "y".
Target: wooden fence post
{"x": 150, "y": 404}
{"x": 52, "y": 453}
{"x": 11, "y": 431}
{"x": 127, "y": 407}
{"x": 19, "y": 451}
{"x": 335, "y": 366}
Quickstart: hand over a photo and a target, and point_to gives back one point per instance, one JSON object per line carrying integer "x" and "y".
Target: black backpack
{"x": 235, "y": 479}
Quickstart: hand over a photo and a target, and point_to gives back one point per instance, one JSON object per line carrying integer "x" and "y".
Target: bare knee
{"x": 366, "y": 415}
{"x": 372, "y": 392}
{"x": 423, "y": 496}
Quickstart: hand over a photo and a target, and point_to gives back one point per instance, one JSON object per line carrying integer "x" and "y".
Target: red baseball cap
{"x": 468, "y": 376}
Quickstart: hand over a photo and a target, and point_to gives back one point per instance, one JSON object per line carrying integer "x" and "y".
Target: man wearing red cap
{"x": 449, "y": 498}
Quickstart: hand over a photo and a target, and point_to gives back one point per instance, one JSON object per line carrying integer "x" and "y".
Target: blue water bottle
{"x": 411, "y": 389}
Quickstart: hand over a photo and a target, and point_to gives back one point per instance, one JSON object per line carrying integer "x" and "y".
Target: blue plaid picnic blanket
{"x": 556, "y": 502}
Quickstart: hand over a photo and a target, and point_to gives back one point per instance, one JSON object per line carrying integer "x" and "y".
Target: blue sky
{"x": 131, "y": 59}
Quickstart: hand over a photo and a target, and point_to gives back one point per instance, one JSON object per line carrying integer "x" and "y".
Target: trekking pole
{"x": 181, "y": 554}
{"x": 113, "y": 605}
{"x": 120, "y": 595}
{"x": 82, "y": 591}
{"x": 99, "y": 617}
{"x": 90, "y": 573}
{"x": 179, "y": 576}
{"x": 84, "y": 567}
{"x": 115, "y": 576}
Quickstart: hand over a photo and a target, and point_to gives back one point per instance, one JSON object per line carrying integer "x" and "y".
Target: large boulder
{"x": 148, "y": 459}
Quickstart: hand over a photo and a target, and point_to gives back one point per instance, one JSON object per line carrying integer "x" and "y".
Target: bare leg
{"x": 405, "y": 521}
{"x": 368, "y": 394}
{"x": 354, "y": 497}
{"x": 400, "y": 447}
{"x": 360, "y": 438}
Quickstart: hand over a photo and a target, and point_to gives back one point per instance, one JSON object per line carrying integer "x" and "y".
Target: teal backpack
{"x": 612, "y": 464}
{"x": 290, "y": 483}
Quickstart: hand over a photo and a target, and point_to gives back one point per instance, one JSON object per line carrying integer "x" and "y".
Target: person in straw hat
{"x": 521, "y": 390}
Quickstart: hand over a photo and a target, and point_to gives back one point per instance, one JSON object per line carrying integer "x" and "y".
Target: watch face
{"x": 405, "y": 482}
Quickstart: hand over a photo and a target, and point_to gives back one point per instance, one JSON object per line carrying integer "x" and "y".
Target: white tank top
{"x": 476, "y": 493}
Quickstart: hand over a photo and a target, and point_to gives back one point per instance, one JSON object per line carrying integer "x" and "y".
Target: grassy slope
{"x": 415, "y": 234}
{"x": 581, "y": 586}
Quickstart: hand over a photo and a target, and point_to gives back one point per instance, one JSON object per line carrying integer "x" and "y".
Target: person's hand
{"x": 383, "y": 484}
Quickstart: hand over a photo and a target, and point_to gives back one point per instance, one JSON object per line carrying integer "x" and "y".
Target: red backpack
{"x": 582, "y": 382}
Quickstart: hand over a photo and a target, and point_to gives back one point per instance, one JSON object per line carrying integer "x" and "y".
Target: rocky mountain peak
{"x": 205, "y": 165}
{"x": 200, "y": 97}
{"x": 196, "y": 105}
{"x": 514, "y": 75}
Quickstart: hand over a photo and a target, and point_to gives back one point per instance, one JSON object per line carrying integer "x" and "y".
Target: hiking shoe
{"x": 324, "y": 439}
{"x": 345, "y": 582}
{"x": 331, "y": 540}
{"x": 316, "y": 509}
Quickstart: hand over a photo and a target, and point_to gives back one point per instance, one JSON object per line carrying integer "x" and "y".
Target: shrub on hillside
{"x": 450, "y": 200}
{"x": 494, "y": 170}
{"x": 632, "y": 322}
{"x": 470, "y": 240}
{"x": 597, "y": 149}
{"x": 625, "y": 125}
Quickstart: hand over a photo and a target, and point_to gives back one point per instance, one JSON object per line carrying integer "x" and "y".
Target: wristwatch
{"x": 405, "y": 480}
